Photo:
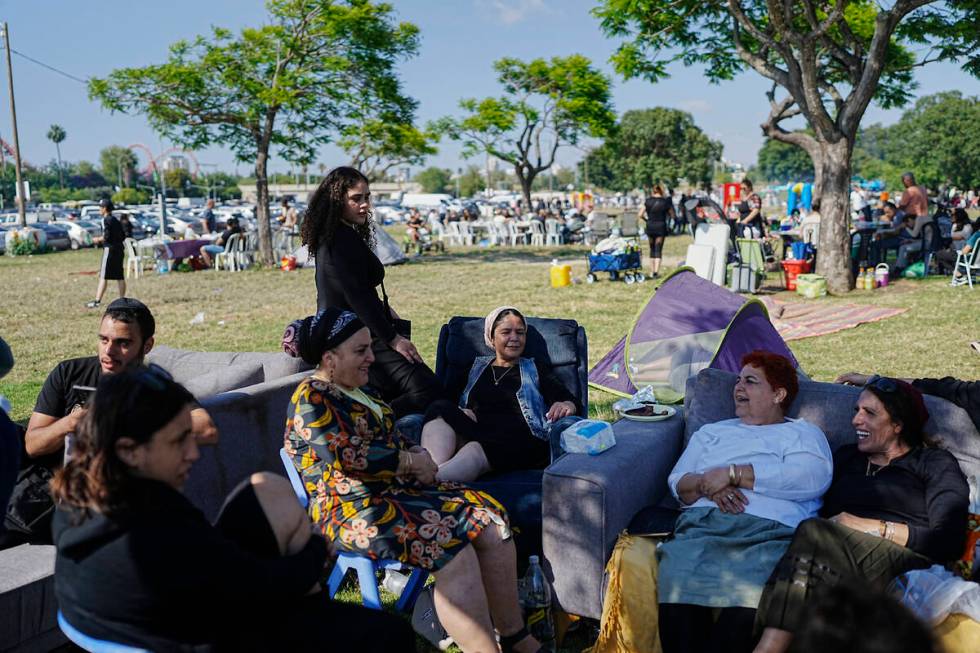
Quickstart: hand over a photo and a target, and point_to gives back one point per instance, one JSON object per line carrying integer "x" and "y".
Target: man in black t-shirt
{"x": 125, "y": 338}
{"x": 113, "y": 238}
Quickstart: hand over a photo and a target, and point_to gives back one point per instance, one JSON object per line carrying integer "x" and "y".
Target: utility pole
{"x": 22, "y": 196}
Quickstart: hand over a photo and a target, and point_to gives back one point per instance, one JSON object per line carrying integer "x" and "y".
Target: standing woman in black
{"x": 338, "y": 232}
{"x": 654, "y": 211}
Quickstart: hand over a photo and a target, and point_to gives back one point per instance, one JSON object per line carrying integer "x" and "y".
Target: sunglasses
{"x": 882, "y": 383}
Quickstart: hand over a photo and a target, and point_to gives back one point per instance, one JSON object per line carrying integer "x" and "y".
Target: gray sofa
{"x": 589, "y": 501}
{"x": 246, "y": 394}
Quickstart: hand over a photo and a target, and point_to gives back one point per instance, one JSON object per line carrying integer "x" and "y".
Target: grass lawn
{"x": 43, "y": 317}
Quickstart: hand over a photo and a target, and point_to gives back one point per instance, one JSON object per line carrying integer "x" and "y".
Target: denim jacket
{"x": 529, "y": 398}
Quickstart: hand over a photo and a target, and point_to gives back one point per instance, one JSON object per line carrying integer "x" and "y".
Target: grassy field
{"x": 44, "y": 319}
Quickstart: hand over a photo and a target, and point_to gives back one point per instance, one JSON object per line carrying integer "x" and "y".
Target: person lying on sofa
{"x": 506, "y": 411}
{"x": 744, "y": 484}
{"x": 965, "y": 394}
{"x": 372, "y": 494}
{"x": 125, "y": 337}
{"x": 139, "y": 565}
{"x": 896, "y": 504}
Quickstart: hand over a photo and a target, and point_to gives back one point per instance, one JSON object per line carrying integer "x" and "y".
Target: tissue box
{"x": 589, "y": 436}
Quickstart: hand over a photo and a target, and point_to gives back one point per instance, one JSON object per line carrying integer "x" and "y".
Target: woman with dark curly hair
{"x": 338, "y": 232}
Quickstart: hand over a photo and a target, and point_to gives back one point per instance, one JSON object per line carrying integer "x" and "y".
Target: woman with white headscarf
{"x": 507, "y": 409}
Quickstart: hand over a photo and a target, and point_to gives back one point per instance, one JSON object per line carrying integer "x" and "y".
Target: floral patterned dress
{"x": 347, "y": 458}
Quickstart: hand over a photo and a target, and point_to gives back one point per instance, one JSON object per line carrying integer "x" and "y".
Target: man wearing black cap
{"x": 125, "y": 338}
{"x": 113, "y": 237}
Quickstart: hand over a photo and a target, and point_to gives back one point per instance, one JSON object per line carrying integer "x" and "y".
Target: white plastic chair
{"x": 515, "y": 234}
{"x": 228, "y": 259}
{"x": 466, "y": 233}
{"x": 537, "y": 234}
{"x": 552, "y": 232}
{"x": 968, "y": 264}
{"x": 134, "y": 262}
{"x": 247, "y": 248}
{"x": 439, "y": 232}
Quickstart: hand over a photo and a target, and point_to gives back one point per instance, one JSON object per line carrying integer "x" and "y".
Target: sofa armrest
{"x": 589, "y": 500}
{"x": 251, "y": 422}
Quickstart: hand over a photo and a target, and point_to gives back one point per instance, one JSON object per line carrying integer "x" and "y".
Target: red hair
{"x": 779, "y": 372}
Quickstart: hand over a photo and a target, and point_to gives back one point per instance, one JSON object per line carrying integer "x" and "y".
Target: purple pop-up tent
{"x": 689, "y": 324}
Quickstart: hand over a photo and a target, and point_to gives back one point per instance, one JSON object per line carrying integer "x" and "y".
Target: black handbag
{"x": 31, "y": 507}
{"x": 402, "y": 327}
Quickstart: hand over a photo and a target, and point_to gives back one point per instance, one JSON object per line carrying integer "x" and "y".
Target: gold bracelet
{"x": 731, "y": 474}
{"x": 409, "y": 465}
{"x": 890, "y": 531}
{"x": 738, "y": 483}
{"x": 882, "y": 528}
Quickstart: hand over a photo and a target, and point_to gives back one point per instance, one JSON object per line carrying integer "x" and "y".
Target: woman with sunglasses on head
{"x": 373, "y": 494}
{"x": 896, "y": 503}
{"x": 338, "y": 233}
{"x": 138, "y": 564}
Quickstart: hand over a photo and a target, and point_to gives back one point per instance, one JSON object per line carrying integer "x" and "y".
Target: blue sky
{"x": 460, "y": 40}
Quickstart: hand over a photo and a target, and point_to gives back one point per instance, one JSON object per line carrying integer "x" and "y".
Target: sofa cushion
{"x": 27, "y": 603}
{"x": 185, "y": 365}
{"x": 830, "y": 406}
{"x": 223, "y": 379}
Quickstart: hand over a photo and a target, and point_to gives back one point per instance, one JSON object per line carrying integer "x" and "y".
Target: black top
{"x": 496, "y": 401}
{"x": 347, "y": 275}
{"x": 159, "y": 572}
{"x": 657, "y": 209}
{"x": 228, "y": 233}
{"x": 58, "y": 396}
{"x": 965, "y": 394}
{"x": 924, "y": 489}
{"x": 112, "y": 231}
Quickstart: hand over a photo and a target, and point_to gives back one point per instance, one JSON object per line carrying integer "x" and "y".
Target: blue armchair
{"x": 563, "y": 346}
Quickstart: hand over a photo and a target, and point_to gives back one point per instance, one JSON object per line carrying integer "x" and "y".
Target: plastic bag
{"x": 591, "y": 436}
{"x": 915, "y": 271}
{"x": 644, "y": 395}
{"x": 934, "y": 593}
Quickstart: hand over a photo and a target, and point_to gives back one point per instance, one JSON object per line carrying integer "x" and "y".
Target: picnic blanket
{"x": 796, "y": 320}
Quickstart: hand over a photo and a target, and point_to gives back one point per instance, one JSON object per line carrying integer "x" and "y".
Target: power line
{"x": 51, "y": 68}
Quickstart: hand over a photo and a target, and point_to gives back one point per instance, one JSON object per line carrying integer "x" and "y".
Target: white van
{"x": 426, "y": 200}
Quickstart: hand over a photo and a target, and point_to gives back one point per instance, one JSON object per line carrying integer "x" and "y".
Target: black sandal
{"x": 507, "y": 642}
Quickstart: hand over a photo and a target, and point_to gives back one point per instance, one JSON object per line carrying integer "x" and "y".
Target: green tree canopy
{"x": 377, "y": 146}
{"x": 56, "y": 134}
{"x": 784, "y": 162}
{"x": 118, "y": 163}
{"x": 435, "y": 180}
{"x": 654, "y": 146}
{"x": 827, "y": 60}
{"x": 130, "y": 196}
{"x": 545, "y": 104}
{"x": 295, "y": 83}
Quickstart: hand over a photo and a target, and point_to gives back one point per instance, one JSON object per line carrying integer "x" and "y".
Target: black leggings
{"x": 339, "y": 627}
{"x": 656, "y": 232}
{"x": 407, "y": 387}
{"x": 688, "y": 628}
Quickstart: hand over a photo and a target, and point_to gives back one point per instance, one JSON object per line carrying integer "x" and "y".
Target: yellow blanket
{"x": 629, "y": 611}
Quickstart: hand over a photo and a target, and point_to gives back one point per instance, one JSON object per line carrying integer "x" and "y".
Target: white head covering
{"x": 490, "y": 319}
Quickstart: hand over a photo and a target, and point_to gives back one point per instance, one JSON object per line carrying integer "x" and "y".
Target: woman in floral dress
{"x": 373, "y": 494}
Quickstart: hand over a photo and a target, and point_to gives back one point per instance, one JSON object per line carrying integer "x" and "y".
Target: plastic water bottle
{"x": 859, "y": 280}
{"x": 537, "y": 605}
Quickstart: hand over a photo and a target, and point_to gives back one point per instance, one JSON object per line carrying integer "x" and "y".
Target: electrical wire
{"x": 51, "y": 68}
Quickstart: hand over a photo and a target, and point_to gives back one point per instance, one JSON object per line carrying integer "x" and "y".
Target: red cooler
{"x": 792, "y": 268}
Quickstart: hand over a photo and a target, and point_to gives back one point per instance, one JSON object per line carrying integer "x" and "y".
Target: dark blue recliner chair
{"x": 562, "y": 345}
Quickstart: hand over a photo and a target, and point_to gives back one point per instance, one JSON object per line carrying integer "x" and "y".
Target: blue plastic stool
{"x": 365, "y": 568}
{"x": 91, "y": 644}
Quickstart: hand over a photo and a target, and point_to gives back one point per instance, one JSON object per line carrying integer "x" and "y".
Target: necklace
{"x": 498, "y": 379}
{"x": 869, "y": 472}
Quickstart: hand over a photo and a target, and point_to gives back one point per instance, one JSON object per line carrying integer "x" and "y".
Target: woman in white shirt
{"x": 744, "y": 485}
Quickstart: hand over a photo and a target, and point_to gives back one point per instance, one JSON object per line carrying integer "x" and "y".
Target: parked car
{"x": 58, "y": 238}
{"x": 79, "y": 235}
{"x": 93, "y": 227}
{"x": 3, "y": 240}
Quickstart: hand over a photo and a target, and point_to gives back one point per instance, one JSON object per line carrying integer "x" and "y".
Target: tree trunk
{"x": 526, "y": 177}
{"x": 61, "y": 172}
{"x": 262, "y": 206}
{"x": 834, "y": 252}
